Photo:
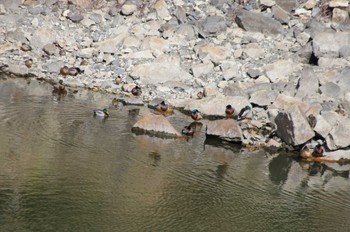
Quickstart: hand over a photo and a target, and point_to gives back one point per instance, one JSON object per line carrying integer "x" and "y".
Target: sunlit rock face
{"x": 225, "y": 129}
{"x": 155, "y": 124}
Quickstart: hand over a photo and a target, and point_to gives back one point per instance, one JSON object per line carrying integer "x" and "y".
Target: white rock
{"x": 202, "y": 69}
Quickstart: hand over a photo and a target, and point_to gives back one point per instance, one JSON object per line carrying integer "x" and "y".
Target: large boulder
{"x": 225, "y": 129}
{"x": 216, "y": 105}
{"x": 254, "y": 21}
{"x": 308, "y": 84}
{"x": 293, "y": 127}
{"x": 280, "y": 70}
{"x": 283, "y": 102}
{"x": 339, "y": 135}
{"x": 328, "y": 44}
{"x": 212, "y": 25}
{"x": 155, "y": 124}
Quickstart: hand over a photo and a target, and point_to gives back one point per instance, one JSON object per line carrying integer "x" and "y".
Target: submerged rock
{"x": 155, "y": 124}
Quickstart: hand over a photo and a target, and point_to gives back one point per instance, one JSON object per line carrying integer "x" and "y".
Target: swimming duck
{"x": 187, "y": 130}
{"x": 136, "y": 91}
{"x": 196, "y": 115}
{"x": 101, "y": 113}
{"x": 318, "y": 151}
{"x": 229, "y": 111}
{"x": 28, "y": 62}
{"x": 74, "y": 71}
{"x": 64, "y": 71}
{"x": 59, "y": 87}
{"x": 305, "y": 153}
{"x": 26, "y": 47}
{"x": 244, "y": 113}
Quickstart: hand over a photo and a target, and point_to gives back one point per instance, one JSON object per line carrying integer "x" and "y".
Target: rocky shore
{"x": 288, "y": 59}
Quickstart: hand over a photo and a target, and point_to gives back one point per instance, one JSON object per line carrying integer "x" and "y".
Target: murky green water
{"x": 61, "y": 169}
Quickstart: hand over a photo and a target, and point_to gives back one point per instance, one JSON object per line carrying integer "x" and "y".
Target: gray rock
{"x": 158, "y": 73}
{"x": 339, "y": 135}
{"x": 287, "y": 5}
{"x": 263, "y": 97}
{"x": 96, "y": 18}
{"x": 41, "y": 37}
{"x": 155, "y": 124}
{"x": 18, "y": 70}
{"x": 187, "y": 31}
{"x": 202, "y": 69}
{"x": 293, "y": 127}
{"x": 305, "y": 54}
{"x": 225, "y": 129}
{"x": 234, "y": 90}
{"x": 212, "y": 26}
{"x": 180, "y": 14}
{"x": 2, "y": 9}
{"x": 330, "y": 90}
{"x": 280, "y": 15}
{"x": 111, "y": 45}
{"x": 50, "y": 49}
{"x": 280, "y": 70}
{"x": 284, "y": 102}
{"x": 327, "y": 44}
{"x": 16, "y": 36}
{"x": 53, "y": 67}
{"x": 308, "y": 84}
{"x": 344, "y": 51}
{"x": 254, "y": 73}
{"x": 75, "y": 17}
{"x": 322, "y": 126}
{"x": 253, "y": 21}
{"x": 128, "y": 8}
{"x": 214, "y": 106}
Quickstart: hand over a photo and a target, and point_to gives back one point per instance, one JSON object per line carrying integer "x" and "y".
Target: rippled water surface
{"x": 61, "y": 169}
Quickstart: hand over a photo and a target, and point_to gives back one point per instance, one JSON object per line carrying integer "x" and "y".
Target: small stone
{"x": 2, "y": 9}
{"x": 128, "y": 9}
{"x": 50, "y": 49}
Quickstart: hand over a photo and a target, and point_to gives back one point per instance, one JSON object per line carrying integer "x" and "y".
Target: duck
{"x": 229, "y": 111}
{"x": 305, "y": 153}
{"x": 28, "y": 62}
{"x": 244, "y": 113}
{"x": 187, "y": 130}
{"x": 136, "y": 91}
{"x": 318, "y": 151}
{"x": 74, "y": 71}
{"x": 64, "y": 71}
{"x": 59, "y": 87}
{"x": 164, "y": 107}
{"x": 201, "y": 94}
{"x": 196, "y": 115}
{"x": 312, "y": 120}
{"x": 101, "y": 113}
{"x": 26, "y": 47}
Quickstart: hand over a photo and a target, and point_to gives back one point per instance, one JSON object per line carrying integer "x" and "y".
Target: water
{"x": 61, "y": 169}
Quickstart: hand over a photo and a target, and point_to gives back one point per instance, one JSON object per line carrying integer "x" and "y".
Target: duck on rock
{"x": 245, "y": 113}
{"x": 136, "y": 91}
{"x": 196, "y": 115}
{"x": 229, "y": 111}
{"x": 101, "y": 113}
{"x": 164, "y": 107}
{"x": 318, "y": 151}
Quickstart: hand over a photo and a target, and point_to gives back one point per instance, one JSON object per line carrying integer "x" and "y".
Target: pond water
{"x": 61, "y": 169}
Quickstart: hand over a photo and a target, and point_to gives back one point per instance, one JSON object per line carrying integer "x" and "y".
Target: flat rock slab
{"x": 155, "y": 124}
{"x": 216, "y": 105}
{"x": 226, "y": 129}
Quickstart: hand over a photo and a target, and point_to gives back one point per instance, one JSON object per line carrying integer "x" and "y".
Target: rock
{"x": 280, "y": 15}
{"x": 287, "y": 5}
{"x": 254, "y": 51}
{"x": 75, "y": 17}
{"x": 330, "y": 90}
{"x": 111, "y": 45}
{"x": 254, "y": 21}
{"x": 234, "y": 90}
{"x": 283, "y": 102}
{"x": 2, "y": 9}
{"x": 281, "y": 70}
{"x": 132, "y": 101}
{"x": 41, "y": 37}
{"x": 128, "y": 8}
{"x": 338, "y": 3}
{"x": 293, "y": 127}
{"x": 344, "y": 51}
{"x": 254, "y": 73}
{"x": 263, "y": 97}
{"x": 212, "y": 26}
{"x": 340, "y": 16}
{"x": 225, "y": 129}
{"x": 18, "y": 70}
{"x": 155, "y": 124}
{"x": 87, "y": 53}
{"x": 53, "y": 67}
{"x": 50, "y": 49}
{"x": 322, "y": 126}
{"x": 327, "y": 44}
{"x": 213, "y": 53}
{"x": 202, "y": 69}
{"x": 310, "y": 4}
{"x": 214, "y": 106}
{"x": 162, "y": 10}
{"x": 158, "y": 73}
{"x": 156, "y": 45}
{"x": 308, "y": 84}
{"x": 339, "y": 135}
